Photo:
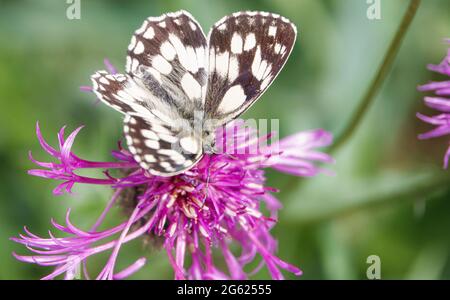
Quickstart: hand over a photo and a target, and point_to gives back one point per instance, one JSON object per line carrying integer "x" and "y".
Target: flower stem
{"x": 373, "y": 88}
{"x": 379, "y": 78}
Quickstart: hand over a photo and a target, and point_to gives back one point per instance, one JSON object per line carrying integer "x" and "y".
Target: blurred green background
{"x": 389, "y": 197}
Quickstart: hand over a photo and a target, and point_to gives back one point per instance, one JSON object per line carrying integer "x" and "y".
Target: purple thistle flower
{"x": 440, "y": 102}
{"x": 214, "y": 204}
{"x": 210, "y": 206}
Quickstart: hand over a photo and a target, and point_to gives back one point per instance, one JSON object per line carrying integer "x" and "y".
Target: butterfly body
{"x": 180, "y": 86}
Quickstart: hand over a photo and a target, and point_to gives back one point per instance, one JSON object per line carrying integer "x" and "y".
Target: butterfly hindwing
{"x": 247, "y": 50}
{"x": 159, "y": 148}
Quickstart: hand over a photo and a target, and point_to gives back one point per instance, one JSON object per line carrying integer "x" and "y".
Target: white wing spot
{"x": 166, "y": 165}
{"x": 266, "y": 82}
{"x": 149, "y": 33}
{"x": 261, "y": 70}
{"x": 168, "y": 51}
{"x": 277, "y": 48}
{"x": 233, "y": 69}
{"x": 236, "y": 43}
{"x": 192, "y": 60}
{"x": 149, "y": 158}
{"x": 222, "y": 27}
{"x": 134, "y": 64}
{"x": 250, "y": 41}
{"x": 152, "y": 144}
{"x": 174, "y": 155}
{"x": 120, "y": 77}
{"x": 193, "y": 27}
{"x": 189, "y": 144}
{"x": 233, "y": 99}
{"x": 200, "y": 51}
{"x": 272, "y": 30}
{"x": 167, "y": 138}
{"x": 212, "y": 60}
{"x": 191, "y": 86}
{"x": 161, "y": 65}
{"x": 139, "y": 49}
{"x": 128, "y": 64}
{"x": 181, "y": 51}
{"x": 222, "y": 63}
{"x": 132, "y": 149}
{"x": 144, "y": 165}
{"x": 256, "y": 61}
{"x": 129, "y": 139}
{"x": 149, "y": 134}
{"x": 160, "y": 129}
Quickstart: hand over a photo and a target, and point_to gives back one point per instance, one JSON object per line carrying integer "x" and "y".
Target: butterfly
{"x": 180, "y": 86}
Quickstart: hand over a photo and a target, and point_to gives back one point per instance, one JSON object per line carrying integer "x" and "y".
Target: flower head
{"x": 439, "y": 102}
{"x": 216, "y": 205}
{"x": 213, "y": 205}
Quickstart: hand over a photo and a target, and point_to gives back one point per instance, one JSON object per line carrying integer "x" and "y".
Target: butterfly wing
{"x": 247, "y": 50}
{"x": 168, "y": 55}
{"x": 164, "y": 86}
{"x": 160, "y": 148}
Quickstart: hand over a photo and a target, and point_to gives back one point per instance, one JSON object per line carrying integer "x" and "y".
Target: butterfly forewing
{"x": 164, "y": 85}
{"x": 170, "y": 84}
{"x": 168, "y": 54}
{"x": 246, "y": 52}
{"x": 121, "y": 93}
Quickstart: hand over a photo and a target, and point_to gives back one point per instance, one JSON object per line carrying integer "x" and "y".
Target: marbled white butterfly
{"x": 180, "y": 86}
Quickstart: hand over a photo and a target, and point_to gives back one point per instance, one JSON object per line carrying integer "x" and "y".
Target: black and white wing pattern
{"x": 246, "y": 52}
{"x": 164, "y": 84}
{"x": 173, "y": 72}
{"x": 159, "y": 148}
{"x": 168, "y": 54}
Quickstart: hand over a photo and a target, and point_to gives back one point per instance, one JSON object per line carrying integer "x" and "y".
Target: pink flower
{"x": 439, "y": 102}
{"x": 210, "y": 206}
{"x": 216, "y": 203}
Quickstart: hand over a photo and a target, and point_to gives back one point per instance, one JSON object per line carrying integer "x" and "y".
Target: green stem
{"x": 379, "y": 78}
{"x": 374, "y": 87}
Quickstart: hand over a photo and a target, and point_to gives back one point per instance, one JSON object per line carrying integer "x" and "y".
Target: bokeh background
{"x": 389, "y": 196}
